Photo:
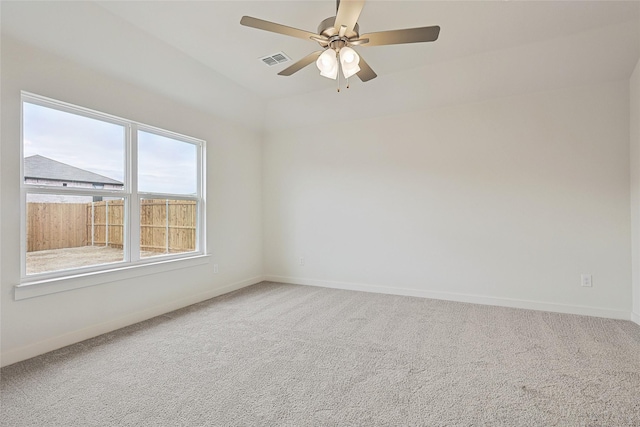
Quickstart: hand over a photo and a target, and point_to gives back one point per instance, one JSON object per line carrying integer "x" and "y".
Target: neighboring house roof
{"x": 39, "y": 167}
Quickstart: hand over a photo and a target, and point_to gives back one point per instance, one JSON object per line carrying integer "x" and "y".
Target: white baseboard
{"x": 451, "y": 296}
{"x": 635, "y": 317}
{"x": 35, "y": 349}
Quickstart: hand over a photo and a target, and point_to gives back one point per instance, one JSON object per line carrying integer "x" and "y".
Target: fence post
{"x": 106, "y": 223}
{"x": 93, "y": 231}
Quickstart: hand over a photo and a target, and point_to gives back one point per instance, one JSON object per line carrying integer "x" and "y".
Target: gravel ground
{"x": 61, "y": 259}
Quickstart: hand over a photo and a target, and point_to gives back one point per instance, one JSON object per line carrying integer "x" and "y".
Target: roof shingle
{"x": 39, "y": 167}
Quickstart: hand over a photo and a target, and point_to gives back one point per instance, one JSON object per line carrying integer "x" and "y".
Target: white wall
{"x": 578, "y": 59}
{"x": 634, "y": 90}
{"x": 234, "y": 233}
{"x": 506, "y": 202}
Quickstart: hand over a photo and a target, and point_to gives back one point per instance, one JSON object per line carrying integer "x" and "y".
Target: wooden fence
{"x": 166, "y": 226}
{"x": 56, "y": 226}
{"x": 105, "y": 223}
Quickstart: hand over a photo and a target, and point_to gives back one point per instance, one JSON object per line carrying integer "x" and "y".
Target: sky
{"x": 164, "y": 165}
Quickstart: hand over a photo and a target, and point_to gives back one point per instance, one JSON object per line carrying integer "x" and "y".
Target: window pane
{"x": 167, "y": 226}
{"x": 166, "y": 165}
{"x": 68, "y": 150}
{"x": 83, "y": 156}
{"x": 65, "y": 231}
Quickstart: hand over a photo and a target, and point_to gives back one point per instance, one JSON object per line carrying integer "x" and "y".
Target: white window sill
{"x": 67, "y": 283}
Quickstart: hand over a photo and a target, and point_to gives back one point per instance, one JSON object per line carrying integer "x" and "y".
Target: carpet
{"x": 284, "y": 355}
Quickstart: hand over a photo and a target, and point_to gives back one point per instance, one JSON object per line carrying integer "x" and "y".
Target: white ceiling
{"x": 192, "y": 50}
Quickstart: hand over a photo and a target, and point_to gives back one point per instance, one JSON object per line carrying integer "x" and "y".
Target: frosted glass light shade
{"x": 349, "y": 60}
{"x": 328, "y": 64}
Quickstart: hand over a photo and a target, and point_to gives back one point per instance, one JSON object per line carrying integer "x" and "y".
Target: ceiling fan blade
{"x": 261, "y": 24}
{"x": 366, "y": 73}
{"x": 408, "y": 35}
{"x": 357, "y": 42}
{"x": 300, "y": 64}
{"x": 323, "y": 40}
{"x": 348, "y": 14}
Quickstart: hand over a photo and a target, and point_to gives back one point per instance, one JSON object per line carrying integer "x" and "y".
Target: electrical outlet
{"x": 301, "y": 261}
{"x": 586, "y": 280}
{"x": 215, "y": 268}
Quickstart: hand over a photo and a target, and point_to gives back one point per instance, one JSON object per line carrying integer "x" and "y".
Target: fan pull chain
{"x": 338, "y": 79}
{"x": 347, "y": 82}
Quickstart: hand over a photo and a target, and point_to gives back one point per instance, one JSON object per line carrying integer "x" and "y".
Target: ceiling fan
{"x": 337, "y": 35}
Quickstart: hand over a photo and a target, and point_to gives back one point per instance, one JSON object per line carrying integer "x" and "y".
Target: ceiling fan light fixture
{"x": 349, "y": 59}
{"x": 327, "y": 63}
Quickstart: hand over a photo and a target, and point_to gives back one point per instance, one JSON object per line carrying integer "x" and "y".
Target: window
{"x": 101, "y": 192}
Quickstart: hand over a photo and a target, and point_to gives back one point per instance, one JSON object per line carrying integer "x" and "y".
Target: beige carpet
{"x": 275, "y": 354}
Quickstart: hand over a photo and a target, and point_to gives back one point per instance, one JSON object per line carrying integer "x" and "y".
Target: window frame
{"x": 129, "y": 193}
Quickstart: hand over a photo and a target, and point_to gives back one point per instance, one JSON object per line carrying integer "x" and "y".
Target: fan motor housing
{"x": 327, "y": 28}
